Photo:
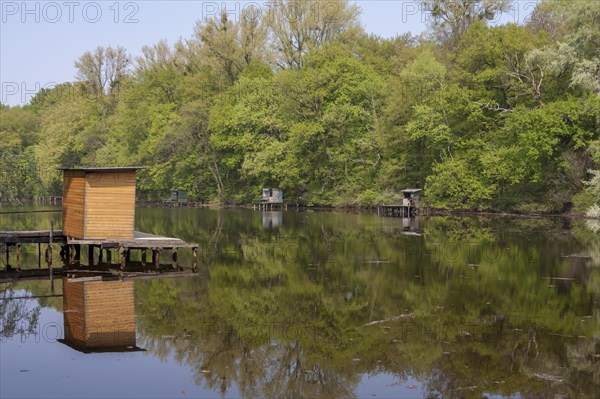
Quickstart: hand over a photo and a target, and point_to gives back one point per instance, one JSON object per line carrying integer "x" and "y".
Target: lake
{"x": 315, "y": 304}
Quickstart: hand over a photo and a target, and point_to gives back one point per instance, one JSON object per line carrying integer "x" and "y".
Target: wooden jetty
{"x": 51, "y": 200}
{"x": 99, "y": 251}
{"x": 410, "y": 206}
{"x": 98, "y": 213}
{"x": 272, "y": 198}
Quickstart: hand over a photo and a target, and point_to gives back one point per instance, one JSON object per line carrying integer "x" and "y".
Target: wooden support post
{"x": 156, "y": 258}
{"x": 49, "y": 255}
{"x": 39, "y": 255}
{"x": 90, "y": 255}
{"x": 144, "y": 253}
{"x": 123, "y": 256}
{"x": 18, "y": 255}
{"x": 194, "y": 259}
{"x": 77, "y": 257}
{"x": 174, "y": 258}
{"x": 108, "y": 256}
{"x": 100, "y": 255}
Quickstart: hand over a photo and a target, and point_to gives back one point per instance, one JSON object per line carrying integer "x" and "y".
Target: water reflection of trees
{"x": 283, "y": 313}
{"x": 17, "y": 316}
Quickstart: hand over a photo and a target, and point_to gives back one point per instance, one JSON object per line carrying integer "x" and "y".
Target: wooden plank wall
{"x": 73, "y": 204}
{"x": 74, "y": 312}
{"x": 109, "y": 205}
{"x": 109, "y": 314}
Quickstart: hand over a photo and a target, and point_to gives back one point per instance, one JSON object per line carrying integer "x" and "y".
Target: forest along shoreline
{"x": 8, "y": 209}
{"x": 481, "y": 116}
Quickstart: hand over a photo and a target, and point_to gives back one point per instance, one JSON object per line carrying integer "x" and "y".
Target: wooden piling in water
{"x": 194, "y": 259}
{"x": 90, "y": 255}
{"x": 174, "y": 258}
{"x": 49, "y": 255}
{"x": 123, "y": 255}
{"x": 156, "y": 258}
{"x": 18, "y": 256}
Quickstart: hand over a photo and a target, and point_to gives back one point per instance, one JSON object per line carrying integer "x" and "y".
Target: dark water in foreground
{"x": 321, "y": 304}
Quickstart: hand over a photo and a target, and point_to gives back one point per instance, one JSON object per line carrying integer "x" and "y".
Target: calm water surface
{"x": 320, "y": 305}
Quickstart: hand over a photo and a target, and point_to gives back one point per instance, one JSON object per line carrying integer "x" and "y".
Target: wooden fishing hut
{"x": 99, "y": 203}
{"x": 271, "y": 198}
{"x": 99, "y": 212}
{"x": 409, "y": 207}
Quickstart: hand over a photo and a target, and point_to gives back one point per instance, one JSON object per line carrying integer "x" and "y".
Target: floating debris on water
{"x": 577, "y": 255}
{"x": 548, "y": 377}
{"x": 393, "y": 318}
{"x": 559, "y": 278}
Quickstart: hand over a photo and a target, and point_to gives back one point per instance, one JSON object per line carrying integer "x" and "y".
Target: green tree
{"x": 450, "y": 19}
{"x": 301, "y": 26}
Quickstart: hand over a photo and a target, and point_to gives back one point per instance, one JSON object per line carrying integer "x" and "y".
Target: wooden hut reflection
{"x": 272, "y": 219}
{"x": 99, "y": 316}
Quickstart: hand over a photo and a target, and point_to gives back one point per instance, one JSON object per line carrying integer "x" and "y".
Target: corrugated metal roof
{"x": 412, "y": 190}
{"x": 104, "y": 169}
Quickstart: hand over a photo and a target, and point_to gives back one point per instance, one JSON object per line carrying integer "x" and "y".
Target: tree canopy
{"x": 482, "y": 117}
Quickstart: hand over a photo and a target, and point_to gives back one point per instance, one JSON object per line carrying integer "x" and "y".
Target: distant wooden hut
{"x": 411, "y": 197}
{"x": 99, "y": 315}
{"x": 410, "y": 206}
{"x": 272, "y": 196}
{"x": 99, "y": 203}
{"x": 179, "y": 196}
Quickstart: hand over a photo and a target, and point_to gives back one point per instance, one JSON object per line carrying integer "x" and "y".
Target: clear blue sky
{"x": 40, "y": 40}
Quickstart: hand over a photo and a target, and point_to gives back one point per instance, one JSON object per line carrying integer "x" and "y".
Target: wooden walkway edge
{"x": 71, "y": 248}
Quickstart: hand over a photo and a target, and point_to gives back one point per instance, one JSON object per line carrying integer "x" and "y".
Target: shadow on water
{"x": 322, "y": 304}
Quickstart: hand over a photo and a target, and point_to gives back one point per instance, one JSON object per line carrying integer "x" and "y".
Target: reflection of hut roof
{"x": 85, "y": 349}
{"x": 412, "y": 190}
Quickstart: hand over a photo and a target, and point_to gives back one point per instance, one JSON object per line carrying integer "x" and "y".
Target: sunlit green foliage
{"x": 500, "y": 117}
